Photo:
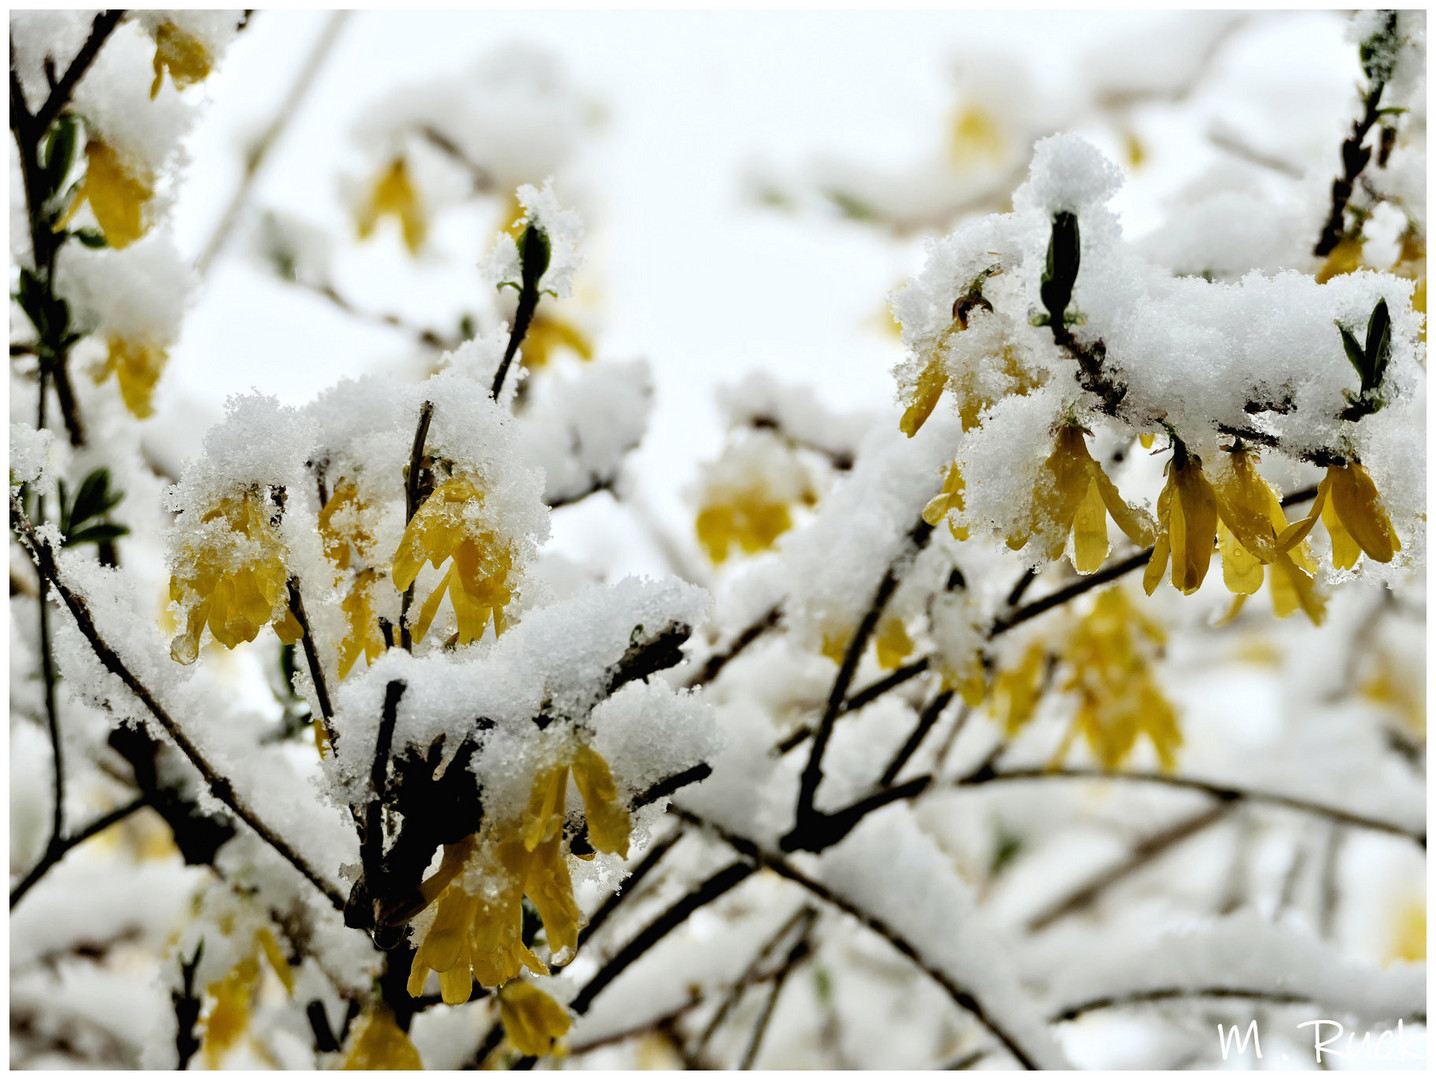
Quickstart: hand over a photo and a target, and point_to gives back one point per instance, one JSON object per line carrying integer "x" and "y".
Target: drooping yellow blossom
{"x": 976, "y": 139}
{"x": 1108, "y": 657}
{"x": 922, "y": 397}
{"x": 893, "y": 643}
{"x": 117, "y": 193}
{"x": 547, "y": 335}
{"x": 967, "y": 678}
{"x": 184, "y": 55}
{"x": 380, "y": 1043}
{"x": 532, "y": 1020}
{"x": 1017, "y": 691}
{"x": 137, "y": 366}
{"x": 1187, "y": 514}
{"x": 1395, "y": 687}
{"x": 234, "y": 579}
{"x": 948, "y": 503}
{"x": 1408, "y": 934}
{"x": 1349, "y": 505}
{"x": 1251, "y": 519}
{"x": 393, "y": 195}
{"x": 479, "y": 582}
{"x": 228, "y": 1018}
{"x": 348, "y": 543}
{"x": 480, "y": 936}
{"x": 1345, "y": 258}
{"x": 922, "y": 385}
{"x": 750, "y": 518}
{"x": 1074, "y": 496}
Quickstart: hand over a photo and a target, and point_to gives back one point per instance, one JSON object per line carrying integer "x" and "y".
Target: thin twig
{"x": 808, "y": 819}
{"x": 60, "y": 847}
{"x": 925, "y": 721}
{"x": 629, "y": 888}
{"x": 316, "y": 669}
{"x": 719, "y": 660}
{"x": 260, "y": 153}
{"x": 805, "y": 913}
{"x": 1220, "y": 791}
{"x": 100, "y": 30}
{"x": 801, "y": 950}
{"x": 219, "y": 786}
{"x": 1142, "y": 854}
{"x": 429, "y": 338}
{"x": 893, "y": 936}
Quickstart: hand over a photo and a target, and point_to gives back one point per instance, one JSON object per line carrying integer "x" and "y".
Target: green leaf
{"x": 59, "y": 153}
{"x": 104, "y": 530}
{"x": 91, "y": 238}
{"x": 1354, "y": 351}
{"x": 1378, "y": 346}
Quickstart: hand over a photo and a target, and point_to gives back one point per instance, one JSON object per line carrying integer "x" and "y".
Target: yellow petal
{"x": 1345, "y": 551}
{"x": 1089, "y": 532}
{"x": 551, "y": 890}
{"x": 1241, "y": 570}
{"x": 1157, "y": 564}
{"x": 380, "y": 1044}
{"x": 923, "y": 398}
{"x": 608, "y": 819}
{"x": 116, "y": 195}
{"x": 893, "y": 644}
{"x": 1359, "y": 507}
{"x": 532, "y": 1020}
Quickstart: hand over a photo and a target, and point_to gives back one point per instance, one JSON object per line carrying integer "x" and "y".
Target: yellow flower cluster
{"x": 532, "y": 1020}
{"x": 349, "y": 544}
{"x": 393, "y": 195}
{"x": 1074, "y": 497}
{"x": 750, "y": 518}
{"x": 1109, "y": 658}
{"x": 479, "y": 581}
{"x": 1244, "y": 519}
{"x": 480, "y": 936}
{"x": 233, "y": 998}
{"x": 235, "y": 582}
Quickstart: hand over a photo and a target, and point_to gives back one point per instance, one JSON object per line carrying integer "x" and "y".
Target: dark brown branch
{"x": 925, "y": 721}
{"x": 630, "y": 885}
{"x": 426, "y": 337}
{"x": 60, "y": 847}
{"x": 1221, "y": 791}
{"x": 219, "y": 786}
{"x": 1181, "y": 993}
{"x": 959, "y": 994}
{"x": 483, "y": 179}
{"x": 807, "y": 818}
{"x": 718, "y": 661}
{"x": 316, "y": 669}
{"x": 1142, "y": 854}
{"x": 100, "y": 30}
{"x": 804, "y": 914}
{"x": 801, "y": 950}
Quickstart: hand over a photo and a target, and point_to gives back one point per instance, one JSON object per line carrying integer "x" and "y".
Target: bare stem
{"x": 411, "y": 507}
{"x": 58, "y": 849}
{"x": 219, "y": 786}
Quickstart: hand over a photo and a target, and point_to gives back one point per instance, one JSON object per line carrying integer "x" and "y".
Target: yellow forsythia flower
{"x": 1109, "y": 658}
{"x": 1251, "y": 519}
{"x": 1345, "y": 258}
{"x": 137, "y": 366}
{"x": 1408, "y": 934}
{"x": 479, "y": 582}
{"x": 228, "y": 1017}
{"x": 975, "y": 138}
{"x": 380, "y": 1044}
{"x": 1017, "y": 691}
{"x": 1187, "y": 514}
{"x": 117, "y": 195}
{"x": 348, "y": 543}
{"x": 184, "y": 55}
{"x": 1075, "y": 496}
{"x": 922, "y": 397}
{"x": 234, "y": 579}
{"x": 893, "y": 643}
{"x": 480, "y": 936}
{"x": 393, "y": 195}
{"x": 547, "y": 334}
{"x": 1349, "y": 505}
{"x": 532, "y": 1020}
{"x": 948, "y": 503}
